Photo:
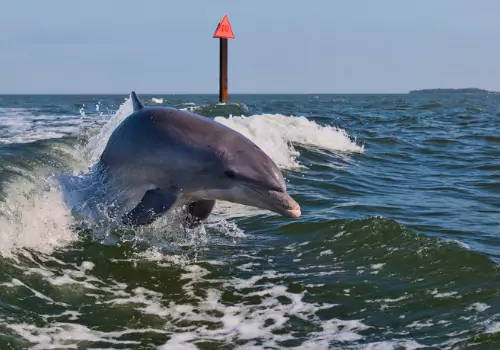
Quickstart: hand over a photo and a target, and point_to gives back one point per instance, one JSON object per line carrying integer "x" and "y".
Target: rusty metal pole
{"x": 223, "y": 90}
{"x": 223, "y": 32}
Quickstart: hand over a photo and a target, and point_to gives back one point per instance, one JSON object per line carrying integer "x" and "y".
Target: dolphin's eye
{"x": 230, "y": 174}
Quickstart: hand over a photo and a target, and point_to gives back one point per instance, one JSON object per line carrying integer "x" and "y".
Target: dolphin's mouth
{"x": 281, "y": 203}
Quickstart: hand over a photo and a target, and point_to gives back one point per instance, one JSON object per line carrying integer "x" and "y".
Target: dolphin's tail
{"x": 135, "y": 101}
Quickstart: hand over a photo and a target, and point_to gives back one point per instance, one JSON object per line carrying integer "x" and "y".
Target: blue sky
{"x": 320, "y": 46}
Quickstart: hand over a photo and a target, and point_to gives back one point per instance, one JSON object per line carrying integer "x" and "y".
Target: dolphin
{"x": 161, "y": 157}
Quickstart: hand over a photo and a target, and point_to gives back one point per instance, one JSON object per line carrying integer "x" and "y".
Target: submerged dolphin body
{"x": 160, "y": 157}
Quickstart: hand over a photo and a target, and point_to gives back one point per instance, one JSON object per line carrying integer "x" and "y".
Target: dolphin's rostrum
{"x": 162, "y": 156}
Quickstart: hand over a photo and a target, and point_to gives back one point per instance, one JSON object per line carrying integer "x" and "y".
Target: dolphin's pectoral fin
{"x": 198, "y": 211}
{"x": 201, "y": 209}
{"x": 135, "y": 101}
{"x": 154, "y": 204}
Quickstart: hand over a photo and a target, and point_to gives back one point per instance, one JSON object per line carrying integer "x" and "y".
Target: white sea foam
{"x": 492, "y": 327}
{"x": 203, "y": 304}
{"x": 437, "y": 294}
{"x": 276, "y": 134}
{"x": 96, "y": 144}
{"x": 479, "y": 307}
{"x": 157, "y": 99}
{"x": 23, "y": 125}
{"x": 34, "y": 217}
{"x": 390, "y": 345}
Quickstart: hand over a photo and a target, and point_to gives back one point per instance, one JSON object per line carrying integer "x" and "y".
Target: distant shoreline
{"x": 451, "y": 91}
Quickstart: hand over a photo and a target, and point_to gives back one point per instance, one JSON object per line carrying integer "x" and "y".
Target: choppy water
{"x": 397, "y": 247}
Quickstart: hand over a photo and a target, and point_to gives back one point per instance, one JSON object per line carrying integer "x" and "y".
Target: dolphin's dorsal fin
{"x": 135, "y": 101}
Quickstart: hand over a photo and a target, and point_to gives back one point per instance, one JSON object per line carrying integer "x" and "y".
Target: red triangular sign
{"x": 224, "y": 29}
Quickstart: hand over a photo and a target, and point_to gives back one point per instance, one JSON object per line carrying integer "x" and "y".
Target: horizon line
{"x": 231, "y": 94}
{"x": 200, "y": 93}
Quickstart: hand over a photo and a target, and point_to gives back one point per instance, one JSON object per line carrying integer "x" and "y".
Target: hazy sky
{"x": 288, "y": 46}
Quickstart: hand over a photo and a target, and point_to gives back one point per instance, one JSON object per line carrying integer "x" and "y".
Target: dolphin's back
{"x": 154, "y": 129}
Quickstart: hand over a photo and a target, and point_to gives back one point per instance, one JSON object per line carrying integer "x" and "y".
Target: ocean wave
{"x": 359, "y": 267}
{"x": 277, "y": 134}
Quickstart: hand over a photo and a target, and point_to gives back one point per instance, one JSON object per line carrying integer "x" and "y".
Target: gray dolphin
{"x": 161, "y": 157}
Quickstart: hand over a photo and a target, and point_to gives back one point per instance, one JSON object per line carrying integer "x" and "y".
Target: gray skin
{"x": 161, "y": 157}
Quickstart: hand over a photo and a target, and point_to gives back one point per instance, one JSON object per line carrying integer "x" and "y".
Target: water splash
{"x": 157, "y": 100}
{"x": 26, "y": 125}
{"x": 37, "y": 211}
{"x": 34, "y": 216}
{"x": 96, "y": 144}
{"x": 276, "y": 134}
